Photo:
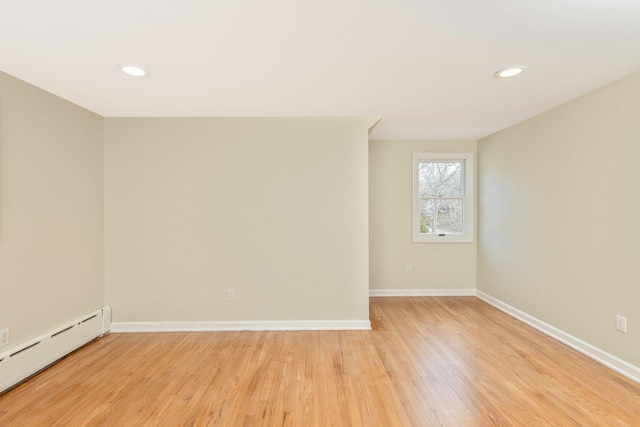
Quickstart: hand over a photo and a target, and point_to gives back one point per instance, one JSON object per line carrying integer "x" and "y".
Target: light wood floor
{"x": 444, "y": 361}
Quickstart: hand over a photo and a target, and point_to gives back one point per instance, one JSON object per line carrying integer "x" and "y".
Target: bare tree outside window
{"x": 441, "y": 192}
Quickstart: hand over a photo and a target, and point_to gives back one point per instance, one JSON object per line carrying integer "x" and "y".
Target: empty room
{"x": 288, "y": 213}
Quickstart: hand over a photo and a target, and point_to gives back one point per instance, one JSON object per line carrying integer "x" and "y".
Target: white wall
{"x": 274, "y": 208}
{"x": 559, "y": 214}
{"x": 51, "y": 210}
{"x": 434, "y": 265}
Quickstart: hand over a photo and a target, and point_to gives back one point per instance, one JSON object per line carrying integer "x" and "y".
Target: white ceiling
{"x": 425, "y": 66}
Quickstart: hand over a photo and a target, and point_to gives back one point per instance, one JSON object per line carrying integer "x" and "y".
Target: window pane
{"x": 448, "y": 216}
{"x": 426, "y": 216}
{"x": 440, "y": 179}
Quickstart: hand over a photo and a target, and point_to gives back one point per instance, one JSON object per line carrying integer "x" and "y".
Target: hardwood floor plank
{"x": 429, "y": 361}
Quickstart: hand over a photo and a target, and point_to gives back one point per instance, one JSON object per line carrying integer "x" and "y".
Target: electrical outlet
{"x": 4, "y": 337}
{"x": 407, "y": 269}
{"x": 231, "y": 294}
{"x": 621, "y": 324}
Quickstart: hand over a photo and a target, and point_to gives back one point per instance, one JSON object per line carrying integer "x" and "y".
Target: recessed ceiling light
{"x": 510, "y": 71}
{"x": 133, "y": 70}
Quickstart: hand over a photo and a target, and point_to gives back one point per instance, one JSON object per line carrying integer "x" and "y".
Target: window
{"x": 443, "y": 197}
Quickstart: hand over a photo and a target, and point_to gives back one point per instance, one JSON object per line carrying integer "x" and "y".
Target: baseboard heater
{"x": 28, "y": 358}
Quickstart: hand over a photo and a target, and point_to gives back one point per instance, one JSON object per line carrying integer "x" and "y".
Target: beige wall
{"x": 274, "y": 208}
{"x": 434, "y": 265}
{"x": 559, "y": 217}
{"x": 51, "y": 210}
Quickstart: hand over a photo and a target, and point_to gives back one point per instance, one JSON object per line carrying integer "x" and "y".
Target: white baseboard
{"x": 20, "y": 362}
{"x": 607, "y": 359}
{"x": 269, "y": 325}
{"x": 421, "y": 292}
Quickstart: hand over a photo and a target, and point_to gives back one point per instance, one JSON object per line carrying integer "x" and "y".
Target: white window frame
{"x": 468, "y": 218}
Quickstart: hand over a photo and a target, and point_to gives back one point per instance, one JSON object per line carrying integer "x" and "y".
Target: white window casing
{"x": 443, "y": 198}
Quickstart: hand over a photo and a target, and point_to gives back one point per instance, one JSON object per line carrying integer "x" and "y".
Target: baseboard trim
{"x": 625, "y": 368}
{"x": 421, "y": 292}
{"x": 221, "y": 326}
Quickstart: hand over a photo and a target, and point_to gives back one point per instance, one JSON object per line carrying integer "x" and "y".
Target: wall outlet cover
{"x": 621, "y": 324}
{"x": 4, "y": 337}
